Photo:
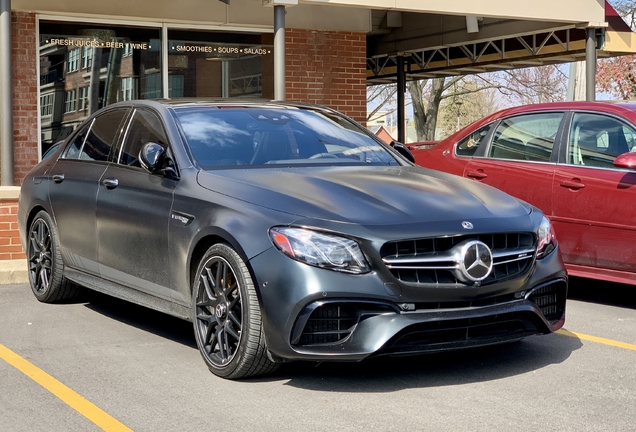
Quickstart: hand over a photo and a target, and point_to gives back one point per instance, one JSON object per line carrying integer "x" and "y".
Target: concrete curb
{"x": 13, "y": 272}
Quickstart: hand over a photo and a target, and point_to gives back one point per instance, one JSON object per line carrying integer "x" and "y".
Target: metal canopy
{"x": 498, "y": 44}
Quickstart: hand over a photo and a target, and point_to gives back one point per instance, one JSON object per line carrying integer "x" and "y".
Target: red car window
{"x": 526, "y": 137}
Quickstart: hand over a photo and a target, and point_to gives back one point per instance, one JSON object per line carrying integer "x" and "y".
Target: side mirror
{"x": 625, "y": 160}
{"x": 403, "y": 150}
{"x": 152, "y": 157}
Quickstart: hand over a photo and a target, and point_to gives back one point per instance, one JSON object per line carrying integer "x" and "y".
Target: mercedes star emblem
{"x": 475, "y": 260}
{"x": 467, "y": 225}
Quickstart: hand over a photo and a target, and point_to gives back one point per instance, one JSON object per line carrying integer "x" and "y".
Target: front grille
{"x": 488, "y": 301}
{"x": 550, "y": 299}
{"x": 428, "y": 261}
{"x": 461, "y": 333}
{"x": 329, "y": 323}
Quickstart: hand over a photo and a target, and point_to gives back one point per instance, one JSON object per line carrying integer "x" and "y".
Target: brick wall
{"x": 10, "y": 247}
{"x": 25, "y": 104}
{"x": 327, "y": 68}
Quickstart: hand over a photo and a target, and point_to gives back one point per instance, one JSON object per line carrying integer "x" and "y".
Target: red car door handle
{"x": 477, "y": 174}
{"x": 573, "y": 184}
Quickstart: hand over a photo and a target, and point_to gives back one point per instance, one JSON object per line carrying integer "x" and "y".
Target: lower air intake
{"x": 550, "y": 299}
{"x": 329, "y": 324}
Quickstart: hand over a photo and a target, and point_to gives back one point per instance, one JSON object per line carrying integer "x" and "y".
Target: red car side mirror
{"x": 625, "y": 160}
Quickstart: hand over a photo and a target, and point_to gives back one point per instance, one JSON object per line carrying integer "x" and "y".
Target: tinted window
{"x": 526, "y": 137}
{"x": 469, "y": 145}
{"x": 75, "y": 147}
{"x": 596, "y": 140}
{"x": 145, "y": 127}
{"x": 255, "y": 136}
{"x": 102, "y": 136}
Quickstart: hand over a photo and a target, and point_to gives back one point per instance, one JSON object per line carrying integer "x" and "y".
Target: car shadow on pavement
{"x": 379, "y": 374}
{"x": 389, "y": 374}
{"x": 154, "y": 322}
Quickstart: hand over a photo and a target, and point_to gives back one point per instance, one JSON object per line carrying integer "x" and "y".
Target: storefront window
{"x": 84, "y": 67}
{"x": 215, "y": 64}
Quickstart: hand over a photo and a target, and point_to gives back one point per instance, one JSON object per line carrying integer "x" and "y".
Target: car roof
{"x": 570, "y": 105}
{"x": 182, "y": 103}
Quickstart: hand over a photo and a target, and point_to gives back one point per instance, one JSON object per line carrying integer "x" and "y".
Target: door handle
{"x": 110, "y": 183}
{"x": 58, "y": 178}
{"x": 574, "y": 184}
{"x": 476, "y": 174}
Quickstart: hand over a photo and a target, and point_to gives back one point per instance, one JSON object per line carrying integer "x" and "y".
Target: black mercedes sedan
{"x": 285, "y": 232}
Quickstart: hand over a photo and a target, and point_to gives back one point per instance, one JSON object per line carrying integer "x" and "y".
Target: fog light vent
{"x": 329, "y": 324}
{"x": 550, "y": 299}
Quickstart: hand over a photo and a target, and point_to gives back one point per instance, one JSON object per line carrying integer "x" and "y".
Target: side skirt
{"x": 124, "y": 293}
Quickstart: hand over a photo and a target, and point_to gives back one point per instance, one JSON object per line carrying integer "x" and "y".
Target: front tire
{"x": 45, "y": 264}
{"x": 227, "y": 317}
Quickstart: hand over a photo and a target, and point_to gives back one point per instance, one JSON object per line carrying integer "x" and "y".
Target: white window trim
{"x": 76, "y": 61}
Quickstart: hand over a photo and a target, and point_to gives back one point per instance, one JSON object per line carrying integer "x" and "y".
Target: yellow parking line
{"x": 70, "y": 397}
{"x": 597, "y": 339}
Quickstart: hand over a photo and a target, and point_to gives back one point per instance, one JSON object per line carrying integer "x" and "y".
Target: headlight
{"x": 320, "y": 250}
{"x": 547, "y": 239}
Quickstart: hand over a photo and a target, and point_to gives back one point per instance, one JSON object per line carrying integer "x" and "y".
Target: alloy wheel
{"x": 40, "y": 256}
{"x": 218, "y": 311}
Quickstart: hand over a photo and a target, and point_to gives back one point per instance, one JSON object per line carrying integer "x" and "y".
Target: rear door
{"x": 520, "y": 159}
{"x": 73, "y": 188}
{"x": 594, "y": 201}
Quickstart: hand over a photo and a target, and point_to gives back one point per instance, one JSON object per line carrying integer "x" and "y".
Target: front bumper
{"x": 314, "y": 314}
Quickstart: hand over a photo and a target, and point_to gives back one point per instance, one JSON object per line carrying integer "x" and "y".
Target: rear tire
{"x": 227, "y": 317}
{"x": 45, "y": 265}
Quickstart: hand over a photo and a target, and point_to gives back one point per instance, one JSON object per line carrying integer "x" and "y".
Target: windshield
{"x": 225, "y": 137}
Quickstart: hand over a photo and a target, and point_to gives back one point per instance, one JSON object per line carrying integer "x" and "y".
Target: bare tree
{"x": 427, "y": 95}
{"x": 425, "y": 116}
{"x": 521, "y": 86}
{"x": 381, "y": 97}
{"x": 458, "y": 110}
{"x": 534, "y": 85}
{"x": 627, "y": 10}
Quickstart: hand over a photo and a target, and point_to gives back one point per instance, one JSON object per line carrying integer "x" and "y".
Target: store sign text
{"x": 98, "y": 44}
{"x": 221, "y": 49}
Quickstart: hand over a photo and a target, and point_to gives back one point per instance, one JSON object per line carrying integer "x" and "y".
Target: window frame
{"x": 479, "y": 149}
{"x": 125, "y": 133}
{"x": 87, "y": 57}
{"x": 565, "y": 153}
{"x": 70, "y": 101}
{"x": 556, "y": 145}
{"x": 73, "y": 60}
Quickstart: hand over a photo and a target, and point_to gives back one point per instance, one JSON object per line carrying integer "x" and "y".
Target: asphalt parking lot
{"x": 104, "y": 364}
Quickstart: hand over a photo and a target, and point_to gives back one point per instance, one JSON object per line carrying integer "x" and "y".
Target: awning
{"x": 519, "y": 44}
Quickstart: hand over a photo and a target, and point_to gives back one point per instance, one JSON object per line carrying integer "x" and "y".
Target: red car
{"x": 576, "y": 161}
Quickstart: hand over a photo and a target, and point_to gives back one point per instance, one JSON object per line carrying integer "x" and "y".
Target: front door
{"x": 133, "y": 209}
{"x": 520, "y": 160}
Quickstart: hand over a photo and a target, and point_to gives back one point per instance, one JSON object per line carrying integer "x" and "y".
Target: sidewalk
{"x": 13, "y": 272}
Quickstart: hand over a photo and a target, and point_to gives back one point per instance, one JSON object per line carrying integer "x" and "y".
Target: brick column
{"x": 25, "y": 93}
{"x": 10, "y": 247}
{"x": 328, "y": 68}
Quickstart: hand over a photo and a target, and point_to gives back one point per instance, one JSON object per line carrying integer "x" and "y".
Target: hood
{"x": 364, "y": 195}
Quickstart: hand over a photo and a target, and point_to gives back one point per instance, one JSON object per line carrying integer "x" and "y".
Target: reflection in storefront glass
{"x": 84, "y": 68}
{"x": 213, "y": 64}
